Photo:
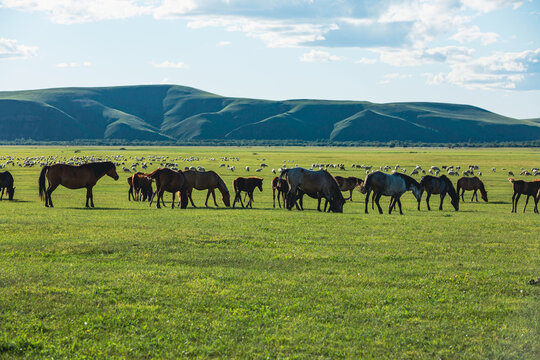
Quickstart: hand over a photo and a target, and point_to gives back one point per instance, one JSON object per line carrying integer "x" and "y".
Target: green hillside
{"x": 169, "y": 112}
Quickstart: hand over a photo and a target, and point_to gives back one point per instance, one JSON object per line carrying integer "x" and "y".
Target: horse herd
{"x": 290, "y": 186}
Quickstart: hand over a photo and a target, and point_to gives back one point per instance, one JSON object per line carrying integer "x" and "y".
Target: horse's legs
{"x": 392, "y": 204}
{"x": 250, "y": 202}
{"x": 89, "y": 196}
{"x": 399, "y": 204}
{"x": 462, "y": 192}
{"x": 159, "y": 196}
{"x": 367, "y": 200}
{"x": 526, "y": 202}
{"x": 473, "y": 194}
{"x": 2, "y": 194}
{"x": 350, "y": 195}
{"x": 427, "y": 200}
{"x": 48, "y": 194}
{"x": 291, "y": 198}
{"x": 207, "y": 196}
{"x": 377, "y": 198}
{"x": 214, "y": 197}
{"x": 274, "y": 196}
{"x": 442, "y": 199}
{"x": 235, "y": 198}
{"x": 518, "y": 195}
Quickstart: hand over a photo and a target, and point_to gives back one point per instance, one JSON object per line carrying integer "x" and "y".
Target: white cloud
{"x": 170, "y": 65}
{"x": 81, "y": 11}
{"x": 319, "y": 56}
{"x": 417, "y": 57}
{"x": 275, "y": 33}
{"x": 491, "y": 5}
{"x": 504, "y": 70}
{"x": 73, "y": 64}
{"x": 11, "y": 49}
{"x": 473, "y": 33}
{"x": 224, "y": 43}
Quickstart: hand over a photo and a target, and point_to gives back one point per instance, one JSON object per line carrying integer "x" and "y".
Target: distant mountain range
{"x": 170, "y": 112}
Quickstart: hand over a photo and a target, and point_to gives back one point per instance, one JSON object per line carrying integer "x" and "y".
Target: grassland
{"x": 128, "y": 281}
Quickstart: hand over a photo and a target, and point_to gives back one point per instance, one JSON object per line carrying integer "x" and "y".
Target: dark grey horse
{"x": 319, "y": 182}
{"x": 393, "y": 185}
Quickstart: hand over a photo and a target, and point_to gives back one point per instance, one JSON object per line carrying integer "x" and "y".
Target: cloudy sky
{"x": 479, "y": 52}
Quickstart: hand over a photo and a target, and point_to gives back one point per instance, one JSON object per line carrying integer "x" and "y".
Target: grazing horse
{"x": 529, "y": 188}
{"x": 6, "y": 184}
{"x": 202, "y": 180}
{"x": 248, "y": 185}
{"x": 348, "y": 184}
{"x": 474, "y": 183}
{"x": 74, "y": 177}
{"x": 394, "y": 185}
{"x": 439, "y": 185}
{"x": 170, "y": 181}
{"x": 282, "y": 188}
{"x": 318, "y": 183}
{"x": 140, "y": 184}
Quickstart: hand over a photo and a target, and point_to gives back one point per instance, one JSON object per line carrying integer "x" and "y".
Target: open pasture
{"x": 125, "y": 280}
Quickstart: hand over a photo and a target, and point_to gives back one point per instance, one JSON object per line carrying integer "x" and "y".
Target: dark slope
{"x": 169, "y": 112}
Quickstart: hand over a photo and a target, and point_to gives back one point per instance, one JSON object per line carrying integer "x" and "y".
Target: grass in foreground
{"x": 128, "y": 281}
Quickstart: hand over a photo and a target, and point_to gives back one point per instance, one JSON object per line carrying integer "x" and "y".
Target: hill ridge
{"x": 174, "y": 112}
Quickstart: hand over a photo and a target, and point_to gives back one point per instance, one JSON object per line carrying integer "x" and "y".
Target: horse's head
{"x": 112, "y": 172}
{"x": 455, "y": 202}
{"x": 337, "y": 201}
{"x": 484, "y": 196}
{"x": 11, "y": 193}
{"x": 226, "y": 197}
{"x": 417, "y": 192}
{"x": 363, "y": 188}
{"x": 259, "y": 185}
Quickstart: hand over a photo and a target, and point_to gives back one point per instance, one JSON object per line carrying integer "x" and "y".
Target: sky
{"x": 484, "y": 53}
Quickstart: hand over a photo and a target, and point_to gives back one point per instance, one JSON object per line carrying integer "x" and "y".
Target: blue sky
{"x": 480, "y": 52}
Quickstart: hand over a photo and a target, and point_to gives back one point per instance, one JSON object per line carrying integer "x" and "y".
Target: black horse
{"x": 6, "y": 185}
{"x": 439, "y": 185}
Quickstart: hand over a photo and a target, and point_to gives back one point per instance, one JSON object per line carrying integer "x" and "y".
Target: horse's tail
{"x": 41, "y": 181}
{"x": 366, "y": 185}
{"x": 458, "y": 186}
{"x": 235, "y": 185}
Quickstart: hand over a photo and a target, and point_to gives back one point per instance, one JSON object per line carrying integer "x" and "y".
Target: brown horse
{"x": 140, "y": 185}
{"x": 6, "y": 184}
{"x": 203, "y": 180}
{"x": 439, "y": 185}
{"x": 282, "y": 188}
{"x": 248, "y": 185}
{"x": 74, "y": 177}
{"x": 348, "y": 184}
{"x": 529, "y": 188}
{"x": 474, "y": 184}
{"x": 170, "y": 181}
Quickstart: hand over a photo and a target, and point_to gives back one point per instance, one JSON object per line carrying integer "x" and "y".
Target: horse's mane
{"x": 408, "y": 180}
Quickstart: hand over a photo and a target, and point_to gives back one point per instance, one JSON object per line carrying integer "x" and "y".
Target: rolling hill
{"x": 170, "y": 112}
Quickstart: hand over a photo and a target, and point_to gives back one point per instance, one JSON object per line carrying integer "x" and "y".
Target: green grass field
{"x": 127, "y": 281}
